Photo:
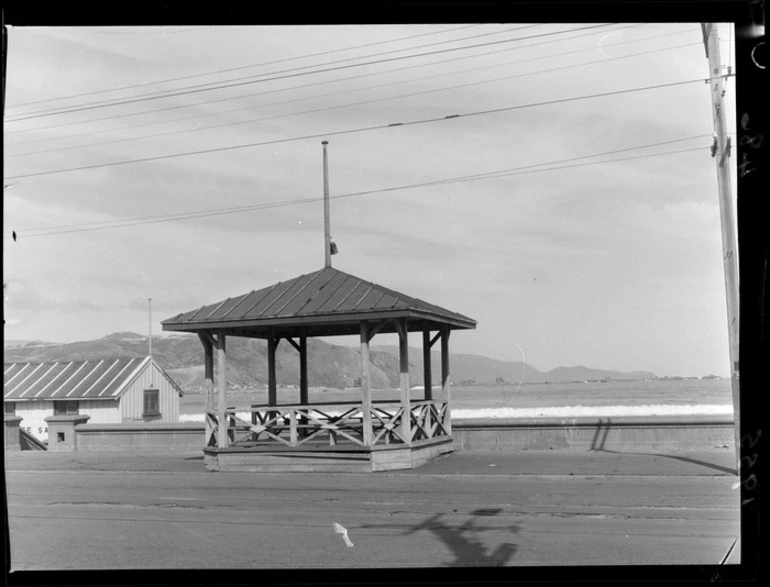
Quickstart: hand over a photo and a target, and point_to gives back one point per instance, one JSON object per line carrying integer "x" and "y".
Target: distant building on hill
{"x": 110, "y": 391}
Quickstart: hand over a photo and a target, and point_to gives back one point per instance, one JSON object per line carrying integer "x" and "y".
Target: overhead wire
{"x": 226, "y": 83}
{"x": 349, "y": 104}
{"x": 261, "y": 79}
{"x": 323, "y": 82}
{"x": 98, "y": 225}
{"x": 229, "y": 69}
{"x": 359, "y": 130}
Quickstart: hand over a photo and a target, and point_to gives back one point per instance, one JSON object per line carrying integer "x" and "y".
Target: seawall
{"x": 623, "y": 434}
{"x": 626, "y": 434}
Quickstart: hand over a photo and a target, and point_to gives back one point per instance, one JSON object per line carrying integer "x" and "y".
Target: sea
{"x": 678, "y": 397}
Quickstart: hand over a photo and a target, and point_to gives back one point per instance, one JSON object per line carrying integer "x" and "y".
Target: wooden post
{"x": 366, "y": 385}
{"x": 426, "y": 361}
{"x": 403, "y": 352}
{"x": 293, "y": 427}
{"x": 445, "y": 383}
{"x": 210, "y": 403}
{"x": 222, "y": 439}
{"x": 208, "y": 368}
{"x": 271, "y": 380}
{"x": 303, "y": 394}
{"x": 303, "y": 387}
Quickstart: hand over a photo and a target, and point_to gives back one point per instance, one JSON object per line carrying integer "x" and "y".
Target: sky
{"x": 594, "y": 238}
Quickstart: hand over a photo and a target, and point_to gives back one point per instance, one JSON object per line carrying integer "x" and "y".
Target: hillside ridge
{"x": 329, "y": 365}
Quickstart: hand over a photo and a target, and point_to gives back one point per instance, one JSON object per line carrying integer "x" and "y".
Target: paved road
{"x": 163, "y": 511}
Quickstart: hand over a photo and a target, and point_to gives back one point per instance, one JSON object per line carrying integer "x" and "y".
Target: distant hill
{"x": 329, "y": 365}
{"x": 484, "y": 370}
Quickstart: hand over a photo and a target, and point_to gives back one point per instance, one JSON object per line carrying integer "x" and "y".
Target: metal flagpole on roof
{"x": 149, "y": 300}
{"x": 329, "y": 247}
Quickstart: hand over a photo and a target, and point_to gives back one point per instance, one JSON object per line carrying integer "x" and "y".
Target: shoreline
{"x": 562, "y": 412}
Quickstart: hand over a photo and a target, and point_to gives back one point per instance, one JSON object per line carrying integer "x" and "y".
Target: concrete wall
{"x": 33, "y": 417}
{"x": 132, "y": 401}
{"x": 144, "y": 437}
{"x": 629, "y": 434}
{"x": 34, "y": 414}
{"x": 640, "y": 434}
{"x": 11, "y": 433}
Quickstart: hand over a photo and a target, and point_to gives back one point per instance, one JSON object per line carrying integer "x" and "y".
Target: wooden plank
{"x": 445, "y": 382}
{"x": 291, "y": 341}
{"x": 392, "y": 460}
{"x": 403, "y": 352}
{"x": 222, "y": 439}
{"x": 205, "y": 337}
{"x": 427, "y": 382}
{"x": 435, "y": 338}
{"x": 376, "y": 328}
{"x": 366, "y": 384}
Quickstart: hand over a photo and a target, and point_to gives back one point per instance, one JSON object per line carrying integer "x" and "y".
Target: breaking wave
{"x": 562, "y": 412}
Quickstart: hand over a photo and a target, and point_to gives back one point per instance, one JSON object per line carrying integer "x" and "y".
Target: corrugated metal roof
{"x": 328, "y": 292}
{"x": 61, "y": 380}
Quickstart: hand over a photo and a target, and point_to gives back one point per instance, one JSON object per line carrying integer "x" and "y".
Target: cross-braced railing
{"x": 430, "y": 419}
{"x": 336, "y": 423}
{"x": 211, "y": 428}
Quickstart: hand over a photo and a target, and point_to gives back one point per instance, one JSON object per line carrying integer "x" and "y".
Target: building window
{"x": 151, "y": 402}
{"x": 65, "y": 408}
{"x": 9, "y": 407}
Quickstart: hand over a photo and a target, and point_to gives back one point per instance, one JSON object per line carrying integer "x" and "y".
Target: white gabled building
{"x": 110, "y": 391}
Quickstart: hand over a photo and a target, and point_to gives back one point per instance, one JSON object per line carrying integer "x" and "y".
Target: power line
{"x": 98, "y": 225}
{"x": 358, "y": 130}
{"x": 349, "y": 104}
{"x": 229, "y": 69}
{"x": 226, "y": 83}
{"x": 278, "y": 90}
{"x": 236, "y": 83}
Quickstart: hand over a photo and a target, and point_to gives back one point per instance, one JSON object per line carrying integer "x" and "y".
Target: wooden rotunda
{"x": 364, "y": 435}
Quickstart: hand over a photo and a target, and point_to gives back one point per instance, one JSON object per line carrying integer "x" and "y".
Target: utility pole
{"x": 721, "y": 153}
{"x": 327, "y": 230}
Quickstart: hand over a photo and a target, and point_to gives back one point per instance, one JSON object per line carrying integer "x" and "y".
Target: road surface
{"x": 86, "y": 511}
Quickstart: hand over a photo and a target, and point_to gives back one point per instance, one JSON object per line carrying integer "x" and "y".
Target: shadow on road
{"x": 603, "y": 429}
{"x": 467, "y": 549}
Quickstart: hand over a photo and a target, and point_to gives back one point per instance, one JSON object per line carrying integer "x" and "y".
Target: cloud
{"x": 19, "y": 297}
